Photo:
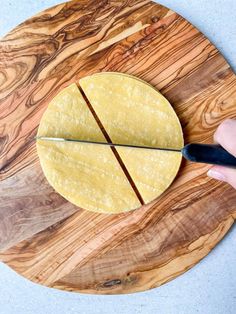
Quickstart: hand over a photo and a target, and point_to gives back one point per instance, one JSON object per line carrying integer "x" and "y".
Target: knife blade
{"x": 60, "y": 139}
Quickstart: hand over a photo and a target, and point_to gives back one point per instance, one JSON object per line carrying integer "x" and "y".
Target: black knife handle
{"x": 209, "y": 154}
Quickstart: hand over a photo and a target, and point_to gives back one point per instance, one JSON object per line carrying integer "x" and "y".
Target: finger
{"x": 225, "y": 135}
{"x": 223, "y": 174}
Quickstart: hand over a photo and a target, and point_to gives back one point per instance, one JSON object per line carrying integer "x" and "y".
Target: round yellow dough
{"x": 131, "y": 112}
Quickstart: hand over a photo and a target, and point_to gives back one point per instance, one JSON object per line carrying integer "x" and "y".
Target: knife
{"x": 204, "y": 153}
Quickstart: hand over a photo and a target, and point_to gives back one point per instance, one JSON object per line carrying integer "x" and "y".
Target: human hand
{"x": 225, "y": 135}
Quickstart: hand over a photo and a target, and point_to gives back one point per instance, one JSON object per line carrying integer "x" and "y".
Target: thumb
{"x": 223, "y": 174}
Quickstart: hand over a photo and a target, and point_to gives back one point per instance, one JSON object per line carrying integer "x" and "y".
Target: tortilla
{"x": 133, "y": 112}
{"x": 89, "y": 176}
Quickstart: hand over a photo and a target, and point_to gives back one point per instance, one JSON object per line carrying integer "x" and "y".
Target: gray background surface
{"x": 209, "y": 287}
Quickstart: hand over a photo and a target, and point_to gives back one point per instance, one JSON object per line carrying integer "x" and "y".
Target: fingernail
{"x": 216, "y": 175}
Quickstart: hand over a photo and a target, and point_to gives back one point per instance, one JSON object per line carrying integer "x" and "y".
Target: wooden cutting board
{"x": 50, "y": 241}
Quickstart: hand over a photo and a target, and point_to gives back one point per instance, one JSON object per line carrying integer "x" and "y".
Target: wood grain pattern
{"x": 52, "y": 242}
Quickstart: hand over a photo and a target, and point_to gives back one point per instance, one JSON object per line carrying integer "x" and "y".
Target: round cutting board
{"x": 52, "y": 242}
